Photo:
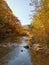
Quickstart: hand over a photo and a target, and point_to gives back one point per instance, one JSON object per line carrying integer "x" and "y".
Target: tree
{"x": 9, "y": 23}
{"x": 40, "y": 20}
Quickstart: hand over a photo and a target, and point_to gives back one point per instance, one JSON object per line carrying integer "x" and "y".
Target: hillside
{"x": 9, "y": 24}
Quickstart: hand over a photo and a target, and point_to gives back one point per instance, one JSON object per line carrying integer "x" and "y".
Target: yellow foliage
{"x": 40, "y": 22}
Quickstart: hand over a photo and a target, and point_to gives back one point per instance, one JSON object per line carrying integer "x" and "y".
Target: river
{"x": 15, "y": 53}
{"x": 12, "y": 52}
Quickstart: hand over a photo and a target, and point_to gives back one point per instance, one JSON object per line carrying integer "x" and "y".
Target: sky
{"x": 21, "y": 9}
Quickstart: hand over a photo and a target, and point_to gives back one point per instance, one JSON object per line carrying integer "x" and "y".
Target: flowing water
{"x": 15, "y": 54}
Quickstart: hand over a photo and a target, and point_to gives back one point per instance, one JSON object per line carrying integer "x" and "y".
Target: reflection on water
{"x": 11, "y": 40}
{"x": 15, "y": 53}
{"x": 8, "y": 44}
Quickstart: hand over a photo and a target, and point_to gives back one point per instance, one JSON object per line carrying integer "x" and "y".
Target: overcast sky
{"x": 21, "y": 9}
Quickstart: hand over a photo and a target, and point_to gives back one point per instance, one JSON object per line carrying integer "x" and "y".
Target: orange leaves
{"x": 9, "y": 23}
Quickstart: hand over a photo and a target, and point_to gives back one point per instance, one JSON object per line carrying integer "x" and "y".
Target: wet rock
{"x": 21, "y": 50}
{"x": 27, "y": 47}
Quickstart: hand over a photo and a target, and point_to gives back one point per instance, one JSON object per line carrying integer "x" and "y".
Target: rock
{"x": 37, "y": 47}
{"x": 27, "y": 47}
{"x": 21, "y": 50}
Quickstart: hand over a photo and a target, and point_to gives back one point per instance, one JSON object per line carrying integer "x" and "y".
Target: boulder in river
{"x": 27, "y": 47}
